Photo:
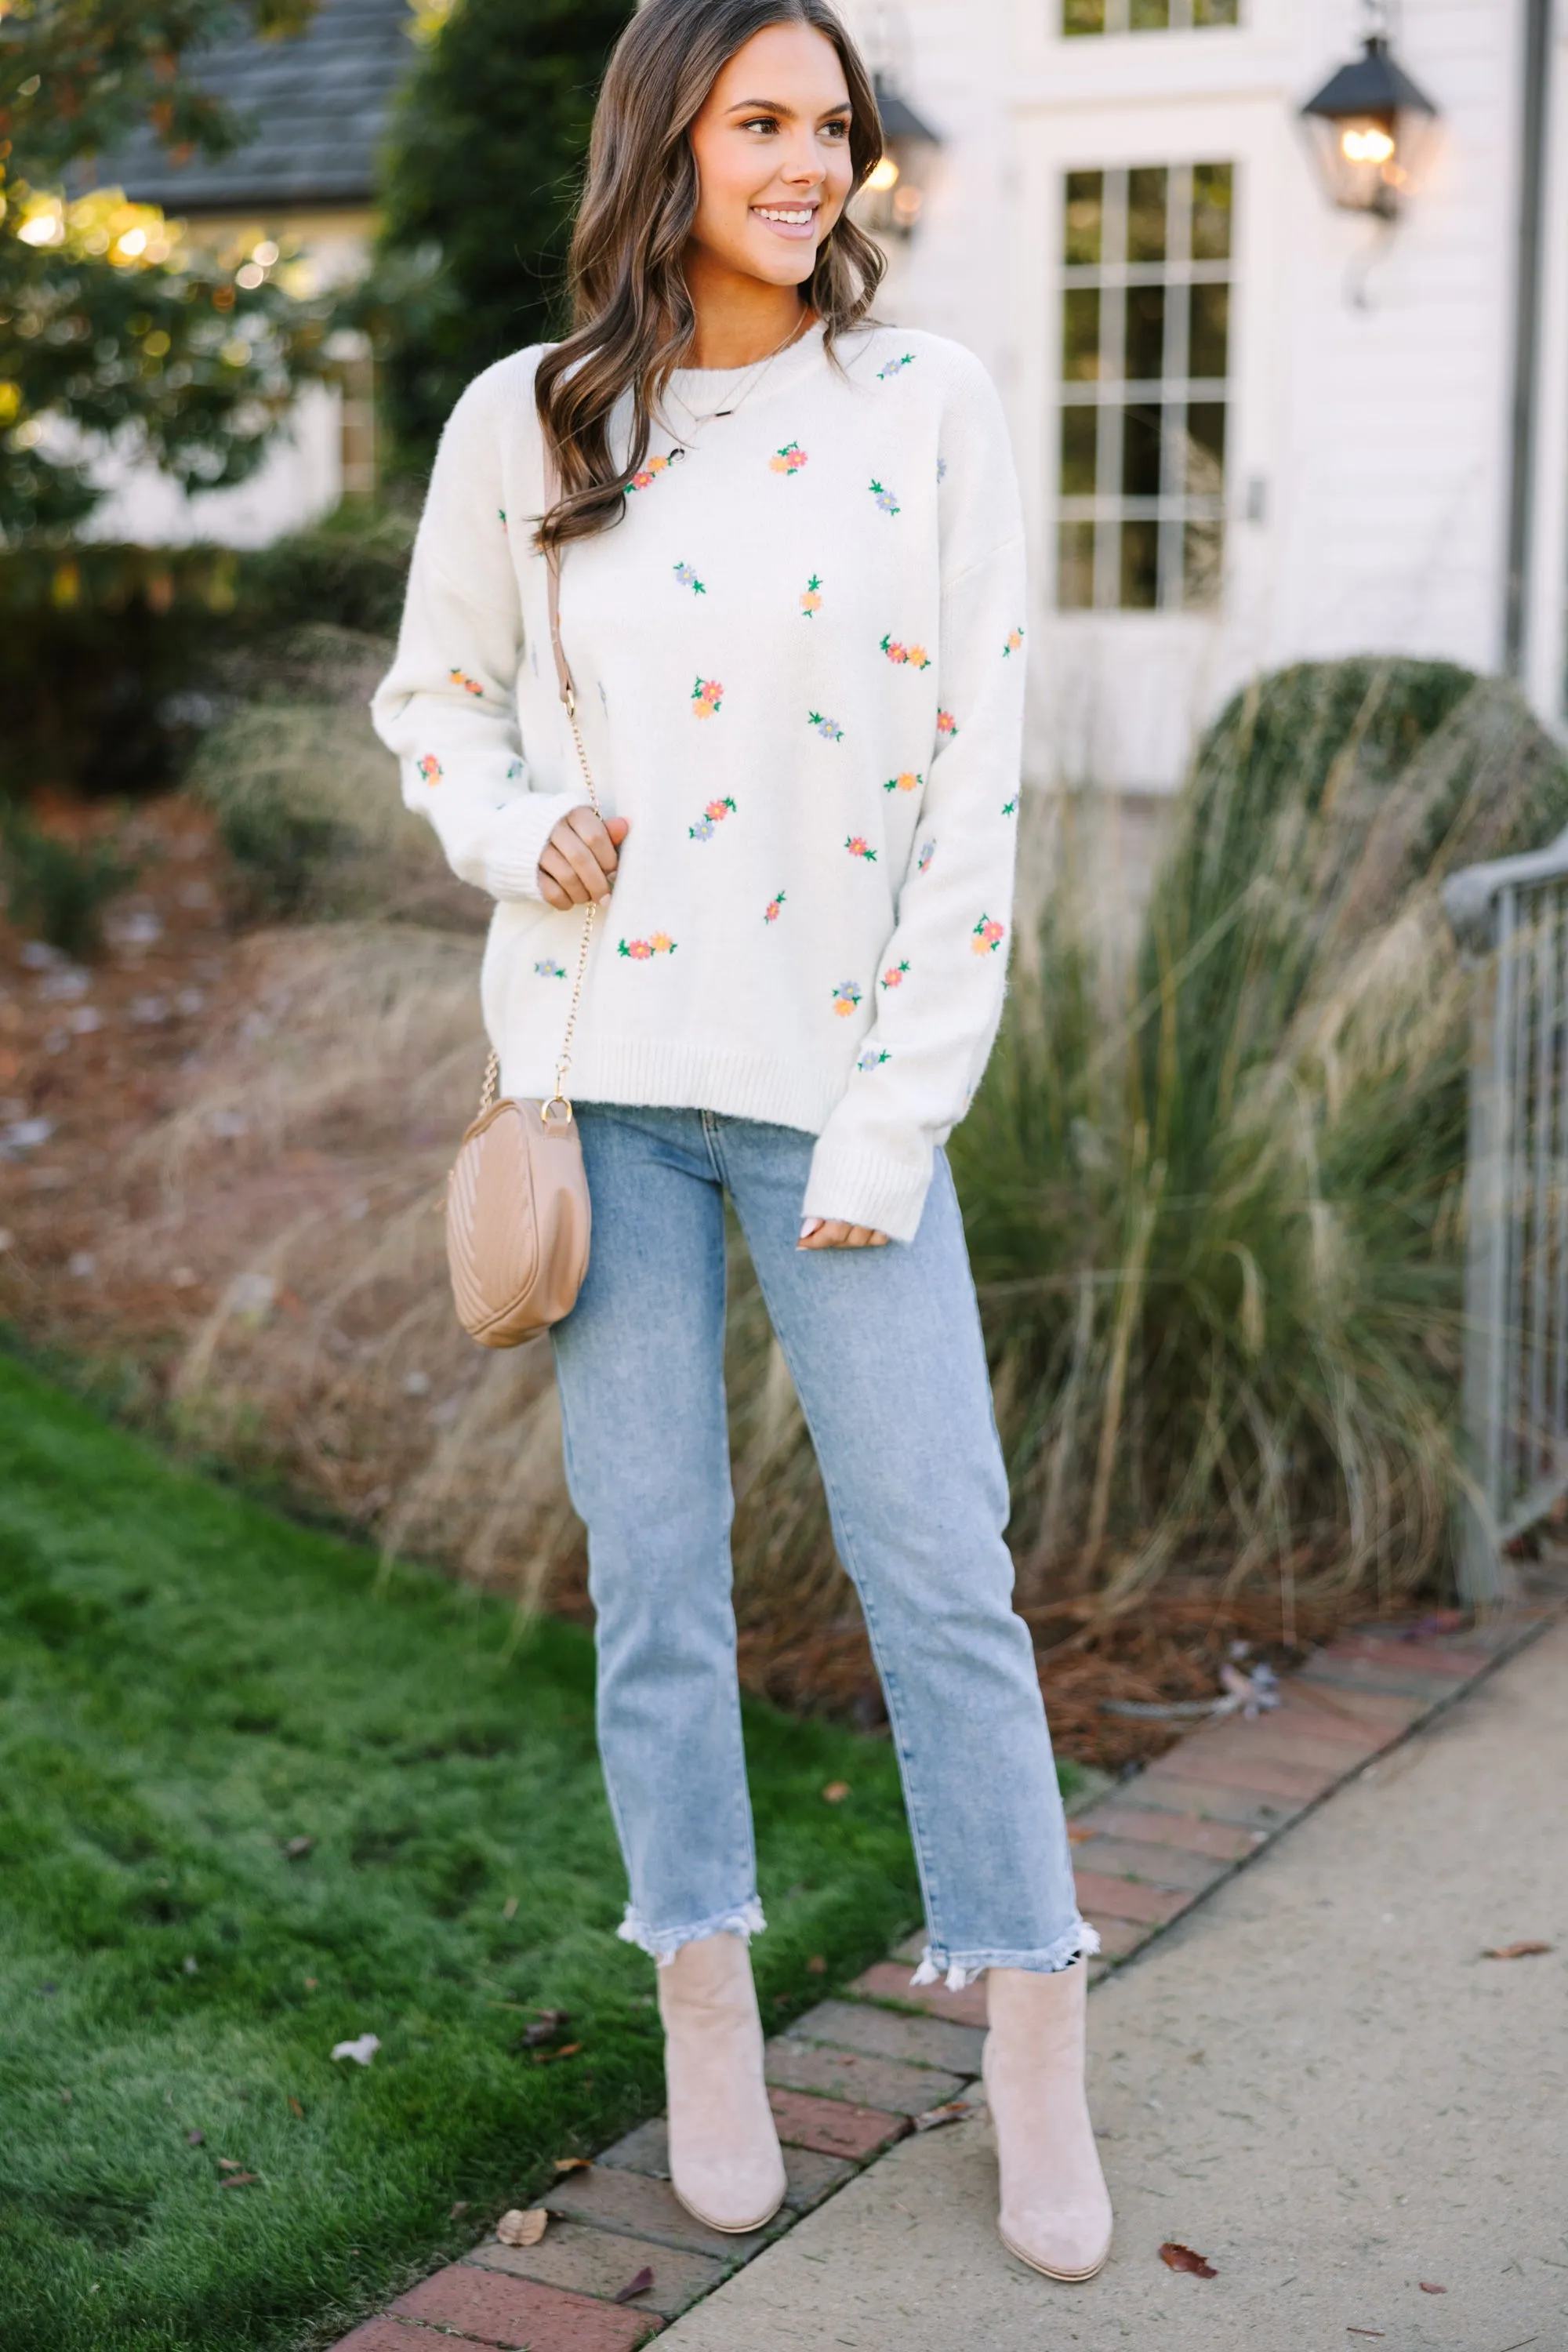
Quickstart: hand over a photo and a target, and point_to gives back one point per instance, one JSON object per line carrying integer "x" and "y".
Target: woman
{"x": 792, "y": 597}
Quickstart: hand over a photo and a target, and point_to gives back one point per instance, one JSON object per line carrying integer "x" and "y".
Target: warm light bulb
{"x": 883, "y": 176}
{"x": 1372, "y": 145}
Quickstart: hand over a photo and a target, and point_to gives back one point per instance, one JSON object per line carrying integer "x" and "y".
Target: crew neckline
{"x": 789, "y": 365}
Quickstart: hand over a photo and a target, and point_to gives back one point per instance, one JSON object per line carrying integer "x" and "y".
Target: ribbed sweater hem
{"x": 676, "y": 1073}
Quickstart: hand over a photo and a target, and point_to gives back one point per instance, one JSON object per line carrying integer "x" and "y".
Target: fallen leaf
{"x": 520, "y": 2229}
{"x": 240, "y": 2179}
{"x": 194, "y": 2139}
{"x": 1182, "y": 2258}
{"x": 361, "y": 2052}
{"x": 296, "y": 1848}
{"x": 299, "y": 2110}
{"x": 1427, "y": 2287}
{"x": 1363, "y": 2331}
{"x": 951, "y": 2111}
{"x": 574, "y": 2163}
{"x": 508, "y": 1908}
{"x": 836, "y": 1791}
{"x": 1079, "y": 1832}
{"x": 567, "y": 2050}
{"x": 638, "y": 2285}
{"x": 1526, "y": 1951}
{"x": 231, "y": 2164}
{"x": 816, "y": 1966}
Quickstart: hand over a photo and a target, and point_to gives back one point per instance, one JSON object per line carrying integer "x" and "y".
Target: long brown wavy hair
{"x": 632, "y": 318}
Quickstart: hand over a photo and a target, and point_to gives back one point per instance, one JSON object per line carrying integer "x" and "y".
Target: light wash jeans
{"x": 885, "y": 1350}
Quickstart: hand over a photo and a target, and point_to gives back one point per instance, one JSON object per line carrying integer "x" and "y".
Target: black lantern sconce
{"x": 894, "y": 193}
{"x": 1370, "y": 124}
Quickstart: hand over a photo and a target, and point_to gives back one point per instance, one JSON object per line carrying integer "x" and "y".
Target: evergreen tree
{"x": 483, "y": 173}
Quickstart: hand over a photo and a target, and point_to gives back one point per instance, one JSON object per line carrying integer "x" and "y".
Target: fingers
{"x": 833, "y": 1233}
{"x": 579, "y": 860}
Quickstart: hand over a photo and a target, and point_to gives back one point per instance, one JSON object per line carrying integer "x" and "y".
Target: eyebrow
{"x": 776, "y": 106}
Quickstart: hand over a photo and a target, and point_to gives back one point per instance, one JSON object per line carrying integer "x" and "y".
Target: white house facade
{"x": 1252, "y": 429}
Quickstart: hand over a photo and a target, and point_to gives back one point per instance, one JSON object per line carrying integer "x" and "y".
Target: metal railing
{"x": 1513, "y": 915}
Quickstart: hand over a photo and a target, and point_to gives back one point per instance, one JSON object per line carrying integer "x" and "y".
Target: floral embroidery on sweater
{"x": 829, "y": 729}
{"x": 946, "y": 724}
{"x": 906, "y": 359}
{"x": 772, "y": 910}
{"x": 430, "y": 768}
{"x": 845, "y": 997}
{"x": 811, "y": 597}
{"x": 549, "y": 969}
{"x": 915, "y": 656}
{"x": 711, "y": 818}
{"x": 687, "y": 578}
{"x": 501, "y": 511}
{"x": 928, "y": 851}
{"x": 906, "y": 781}
{"x": 941, "y": 470}
{"x": 894, "y": 975}
{"x": 650, "y": 473}
{"x": 469, "y": 685}
{"x": 1010, "y": 808}
{"x": 988, "y": 935}
{"x": 789, "y": 459}
{"x": 1015, "y": 639}
{"x": 858, "y": 847}
{"x": 886, "y": 499}
{"x": 707, "y": 697}
{"x": 514, "y": 771}
{"x": 873, "y": 1058}
{"x": 639, "y": 951}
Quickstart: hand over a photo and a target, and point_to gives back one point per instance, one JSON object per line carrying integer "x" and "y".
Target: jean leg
{"x": 639, "y": 1363}
{"x": 888, "y": 1362}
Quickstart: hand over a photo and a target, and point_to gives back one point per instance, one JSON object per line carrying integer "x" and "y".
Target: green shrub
{"x": 57, "y": 889}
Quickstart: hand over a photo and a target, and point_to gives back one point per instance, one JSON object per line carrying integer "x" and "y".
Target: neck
{"x": 740, "y": 320}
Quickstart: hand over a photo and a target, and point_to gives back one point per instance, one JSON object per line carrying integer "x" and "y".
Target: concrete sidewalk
{"x": 1315, "y": 2080}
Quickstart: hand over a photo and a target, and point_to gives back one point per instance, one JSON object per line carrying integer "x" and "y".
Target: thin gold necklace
{"x": 760, "y": 368}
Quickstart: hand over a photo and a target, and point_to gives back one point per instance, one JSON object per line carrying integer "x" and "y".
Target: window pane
{"x": 1209, "y": 331}
{"x": 1215, "y": 12}
{"x": 1145, "y": 333}
{"x": 1140, "y": 453}
{"x": 1085, "y": 215}
{"x": 1203, "y": 563}
{"x": 1080, "y": 334}
{"x": 1211, "y": 192}
{"x": 1075, "y": 567}
{"x": 1079, "y": 439}
{"x": 1083, "y": 16}
{"x": 1204, "y": 450}
{"x": 1139, "y": 566}
{"x": 1146, "y": 215}
{"x": 1150, "y": 15}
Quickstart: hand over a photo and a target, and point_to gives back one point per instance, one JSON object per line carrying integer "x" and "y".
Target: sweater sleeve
{"x": 941, "y": 979}
{"x": 448, "y": 706}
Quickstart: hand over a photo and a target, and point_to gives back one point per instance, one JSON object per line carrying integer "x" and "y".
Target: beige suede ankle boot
{"x": 1055, "y": 2208}
{"x": 724, "y": 2160}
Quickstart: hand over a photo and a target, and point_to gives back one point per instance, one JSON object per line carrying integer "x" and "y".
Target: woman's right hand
{"x": 578, "y": 861}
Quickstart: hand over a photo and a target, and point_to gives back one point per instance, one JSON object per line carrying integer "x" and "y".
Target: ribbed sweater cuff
{"x": 513, "y": 852}
{"x": 866, "y": 1188}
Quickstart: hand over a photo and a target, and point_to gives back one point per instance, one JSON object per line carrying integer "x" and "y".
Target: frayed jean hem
{"x": 956, "y": 1969}
{"x": 661, "y": 1944}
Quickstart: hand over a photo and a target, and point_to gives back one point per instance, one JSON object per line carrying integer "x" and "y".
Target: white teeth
{"x": 792, "y": 220}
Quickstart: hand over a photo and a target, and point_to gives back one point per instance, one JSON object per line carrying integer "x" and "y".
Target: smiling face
{"x": 771, "y": 150}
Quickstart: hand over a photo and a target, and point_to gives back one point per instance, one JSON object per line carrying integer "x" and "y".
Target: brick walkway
{"x": 850, "y": 2077}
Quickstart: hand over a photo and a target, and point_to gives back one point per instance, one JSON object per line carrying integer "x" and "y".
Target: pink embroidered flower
{"x": 712, "y": 816}
{"x": 639, "y": 951}
{"x": 771, "y": 911}
{"x": 988, "y": 935}
{"x": 1015, "y": 639}
{"x": 430, "y": 768}
{"x": 906, "y": 781}
{"x": 789, "y": 459}
{"x": 652, "y": 471}
{"x": 858, "y": 847}
{"x": 469, "y": 685}
{"x": 946, "y": 724}
{"x": 707, "y": 697}
{"x": 661, "y": 943}
{"x": 928, "y": 851}
{"x": 811, "y": 596}
{"x": 845, "y": 997}
{"x": 894, "y": 975}
{"x": 895, "y": 652}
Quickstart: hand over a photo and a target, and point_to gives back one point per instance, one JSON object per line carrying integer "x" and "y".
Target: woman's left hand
{"x": 832, "y": 1233}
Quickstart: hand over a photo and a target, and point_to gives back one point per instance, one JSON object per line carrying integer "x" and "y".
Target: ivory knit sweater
{"x": 799, "y": 671}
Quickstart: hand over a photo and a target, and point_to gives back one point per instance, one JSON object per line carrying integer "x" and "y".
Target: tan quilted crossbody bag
{"x": 518, "y": 1221}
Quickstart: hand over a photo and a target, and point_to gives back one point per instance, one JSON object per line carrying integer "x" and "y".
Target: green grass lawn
{"x": 187, "y": 1683}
